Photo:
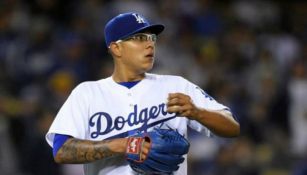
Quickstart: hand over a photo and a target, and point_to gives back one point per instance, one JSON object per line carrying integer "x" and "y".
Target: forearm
{"x": 84, "y": 151}
{"x": 219, "y": 122}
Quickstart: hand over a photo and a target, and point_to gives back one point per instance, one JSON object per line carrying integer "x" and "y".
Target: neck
{"x": 127, "y": 76}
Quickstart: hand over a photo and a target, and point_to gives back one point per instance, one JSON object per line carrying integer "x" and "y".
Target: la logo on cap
{"x": 127, "y": 24}
{"x": 138, "y": 18}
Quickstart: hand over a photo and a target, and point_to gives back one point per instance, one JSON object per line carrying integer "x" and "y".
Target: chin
{"x": 148, "y": 68}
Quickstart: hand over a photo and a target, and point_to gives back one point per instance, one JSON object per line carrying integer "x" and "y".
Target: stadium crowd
{"x": 249, "y": 55}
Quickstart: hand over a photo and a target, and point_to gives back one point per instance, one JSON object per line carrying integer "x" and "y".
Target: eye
{"x": 141, "y": 37}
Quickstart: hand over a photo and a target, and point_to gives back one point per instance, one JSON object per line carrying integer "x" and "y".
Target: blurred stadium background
{"x": 250, "y": 55}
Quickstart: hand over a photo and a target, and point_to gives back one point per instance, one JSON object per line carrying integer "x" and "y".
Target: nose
{"x": 150, "y": 44}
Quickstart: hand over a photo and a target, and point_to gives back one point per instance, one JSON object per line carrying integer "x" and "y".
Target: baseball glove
{"x": 167, "y": 148}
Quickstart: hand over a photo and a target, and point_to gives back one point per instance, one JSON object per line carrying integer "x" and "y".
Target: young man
{"x": 93, "y": 124}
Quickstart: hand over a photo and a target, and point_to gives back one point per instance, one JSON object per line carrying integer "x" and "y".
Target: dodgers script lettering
{"x": 103, "y": 123}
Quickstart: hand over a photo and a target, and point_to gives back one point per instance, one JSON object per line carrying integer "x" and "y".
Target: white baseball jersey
{"x": 104, "y": 109}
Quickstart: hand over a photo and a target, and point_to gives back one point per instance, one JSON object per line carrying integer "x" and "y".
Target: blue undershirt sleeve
{"x": 58, "y": 141}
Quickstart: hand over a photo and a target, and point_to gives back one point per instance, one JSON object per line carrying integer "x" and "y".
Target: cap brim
{"x": 155, "y": 28}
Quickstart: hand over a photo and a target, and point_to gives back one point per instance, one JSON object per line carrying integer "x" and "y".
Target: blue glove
{"x": 167, "y": 148}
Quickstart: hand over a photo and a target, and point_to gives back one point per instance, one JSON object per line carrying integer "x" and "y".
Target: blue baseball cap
{"x": 127, "y": 24}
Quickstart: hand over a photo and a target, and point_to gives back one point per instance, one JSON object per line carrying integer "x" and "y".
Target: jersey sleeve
{"x": 72, "y": 117}
{"x": 203, "y": 100}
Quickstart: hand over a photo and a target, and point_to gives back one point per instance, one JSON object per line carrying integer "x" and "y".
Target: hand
{"x": 138, "y": 146}
{"x": 182, "y": 104}
{"x": 145, "y": 149}
{"x": 160, "y": 151}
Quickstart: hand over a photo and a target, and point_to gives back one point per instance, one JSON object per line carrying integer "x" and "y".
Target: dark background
{"x": 248, "y": 55}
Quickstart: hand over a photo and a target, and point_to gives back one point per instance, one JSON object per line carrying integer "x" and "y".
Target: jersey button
{"x": 129, "y": 94}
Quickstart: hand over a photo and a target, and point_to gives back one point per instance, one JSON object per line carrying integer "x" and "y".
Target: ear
{"x": 115, "y": 49}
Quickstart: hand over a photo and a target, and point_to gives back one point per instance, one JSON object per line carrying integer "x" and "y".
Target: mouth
{"x": 150, "y": 55}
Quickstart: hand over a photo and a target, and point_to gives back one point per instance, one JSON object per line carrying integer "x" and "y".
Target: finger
{"x": 185, "y": 110}
{"x": 174, "y": 109}
{"x": 189, "y": 111}
{"x": 176, "y": 102}
{"x": 181, "y": 109}
{"x": 186, "y": 113}
{"x": 178, "y": 95}
{"x": 145, "y": 150}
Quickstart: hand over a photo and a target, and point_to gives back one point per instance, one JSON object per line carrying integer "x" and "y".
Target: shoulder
{"x": 166, "y": 78}
{"x": 90, "y": 85}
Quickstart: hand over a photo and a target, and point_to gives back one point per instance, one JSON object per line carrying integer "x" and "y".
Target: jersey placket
{"x": 131, "y": 101}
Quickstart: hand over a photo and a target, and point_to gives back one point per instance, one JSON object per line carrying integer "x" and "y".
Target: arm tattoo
{"x": 84, "y": 151}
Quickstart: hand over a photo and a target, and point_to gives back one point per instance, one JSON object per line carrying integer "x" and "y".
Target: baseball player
{"x": 95, "y": 123}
